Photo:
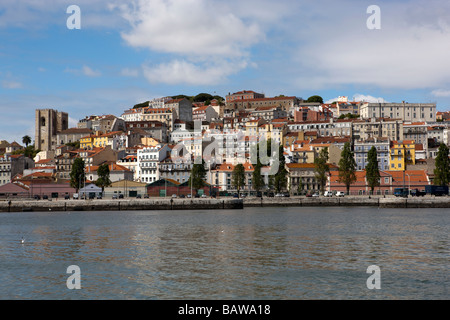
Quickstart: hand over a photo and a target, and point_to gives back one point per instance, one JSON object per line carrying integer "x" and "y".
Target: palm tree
{"x": 26, "y": 140}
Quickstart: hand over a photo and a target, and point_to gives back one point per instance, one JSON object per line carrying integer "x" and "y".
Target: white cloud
{"x": 208, "y": 39}
{"x": 91, "y": 73}
{"x": 182, "y": 71}
{"x": 129, "y": 72}
{"x": 85, "y": 70}
{"x": 188, "y": 27}
{"x": 11, "y": 84}
{"x": 367, "y": 98}
{"x": 360, "y": 97}
{"x": 409, "y": 52}
{"x": 441, "y": 93}
{"x": 73, "y": 122}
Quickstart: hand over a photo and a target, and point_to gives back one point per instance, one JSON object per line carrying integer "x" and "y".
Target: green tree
{"x": 103, "y": 176}
{"x": 372, "y": 171}
{"x": 300, "y": 186}
{"x": 257, "y": 178}
{"x": 322, "y": 168}
{"x": 347, "y": 167}
{"x": 77, "y": 175}
{"x": 442, "y": 171}
{"x": 29, "y": 152}
{"x": 26, "y": 140}
{"x": 280, "y": 180}
{"x": 203, "y": 97}
{"x": 315, "y": 99}
{"x": 198, "y": 176}
{"x": 75, "y": 144}
{"x": 141, "y": 105}
{"x": 238, "y": 177}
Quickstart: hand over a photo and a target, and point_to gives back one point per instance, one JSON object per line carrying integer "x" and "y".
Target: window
{"x": 386, "y": 180}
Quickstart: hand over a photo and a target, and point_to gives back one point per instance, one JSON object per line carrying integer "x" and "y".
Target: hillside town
{"x": 153, "y": 148}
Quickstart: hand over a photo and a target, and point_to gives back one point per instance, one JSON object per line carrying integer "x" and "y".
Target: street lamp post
{"x": 409, "y": 183}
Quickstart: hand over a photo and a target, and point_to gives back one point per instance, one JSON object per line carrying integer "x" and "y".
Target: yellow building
{"x": 100, "y": 141}
{"x": 252, "y": 127}
{"x": 164, "y": 115}
{"x": 149, "y": 142}
{"x": 403, "y": 153}
{"x": 87, "y": 142}
{"x": 276, "y": 132}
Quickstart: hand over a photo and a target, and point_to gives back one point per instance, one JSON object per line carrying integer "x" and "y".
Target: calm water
{"x": 270, "y": 253}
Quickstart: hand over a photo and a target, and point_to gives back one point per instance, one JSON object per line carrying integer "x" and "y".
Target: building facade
{"x": 408, "y": 112}
{"x": 48, "y": 123}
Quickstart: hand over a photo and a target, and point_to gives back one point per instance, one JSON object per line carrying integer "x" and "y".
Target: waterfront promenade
{"x": 220, "y": 203}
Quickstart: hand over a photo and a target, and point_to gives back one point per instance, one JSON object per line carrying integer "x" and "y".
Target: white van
{"x": 340, "y": 194}
{"x": 328, "y": 194}
{"x": 75, "y": 196}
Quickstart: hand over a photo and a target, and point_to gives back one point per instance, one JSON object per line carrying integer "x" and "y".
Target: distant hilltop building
{"x": 408, "y": 112}
{"x": 48, "y": 124}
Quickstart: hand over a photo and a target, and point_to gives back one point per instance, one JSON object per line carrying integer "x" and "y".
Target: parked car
{"x": 45, "y": 197}
{"x": 340, "y": 194}
{"x": 114, "y": 196}
{"x": 146, "y": 196}
{"x": 235, "y": 195}
{"x": 99, "y": 196}
{"x": 174, "y": 196}
{"x": 197, "y": 196}
{"x": 309, "y": 195}
{"x": 271, "y": 194}
{"x": 189, "y": 196}
{"x": 91, "y": 196}
{"x": 204, "y": 196}
{"x": 138, "y": 196}
{"x": 315, "y": 194}
{"x": 66, "y": 197}
{"x": 37, "y": 197}
{"x": 401, "y": 192}
{"x": 328, "y": 194}
{"x": 182, "y": 196}
{"x": 286, "y": 194}
{"x": 120, "y": 196}
{"x": 279, "y": 195}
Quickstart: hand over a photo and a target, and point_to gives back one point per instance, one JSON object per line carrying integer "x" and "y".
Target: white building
{"x": 130, "y": 162}
{"x": 413, "y": 112}
{"x": 5, "y": 170}
{"x": 148, "y": 159}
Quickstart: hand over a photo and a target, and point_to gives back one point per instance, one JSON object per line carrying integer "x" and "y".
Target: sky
{"x": 126, "y": 52}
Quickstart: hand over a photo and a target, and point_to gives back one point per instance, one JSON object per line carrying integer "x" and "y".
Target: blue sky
{"x": 132, "y": 51}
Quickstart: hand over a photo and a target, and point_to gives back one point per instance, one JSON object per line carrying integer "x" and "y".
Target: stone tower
{"x": 48, "y": 123}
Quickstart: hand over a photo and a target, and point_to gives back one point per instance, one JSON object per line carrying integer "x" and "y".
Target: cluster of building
{"x": 152, "y": 146}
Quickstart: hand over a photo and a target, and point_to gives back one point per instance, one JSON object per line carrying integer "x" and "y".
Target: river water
{"x": 255, "y": 253}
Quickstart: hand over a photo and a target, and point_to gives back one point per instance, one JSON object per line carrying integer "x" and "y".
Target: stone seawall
{"x": 438, "y": 202}
{"x": 223, "y": 203}
{"x": 119, "y": 205}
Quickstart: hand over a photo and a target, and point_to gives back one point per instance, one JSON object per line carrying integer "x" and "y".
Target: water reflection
{"x": 307, "y": 253}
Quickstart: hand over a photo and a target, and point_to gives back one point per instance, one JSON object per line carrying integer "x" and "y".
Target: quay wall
{"x": 221, "y": 203}
{"x": 119, "y": 205}
{"x": 391, "y": 202}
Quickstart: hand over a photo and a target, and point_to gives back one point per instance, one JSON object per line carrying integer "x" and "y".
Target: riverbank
{"x": 119, "y": 205}
{"x": 222, "y": 203}
{"x": 349, "y": 201}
